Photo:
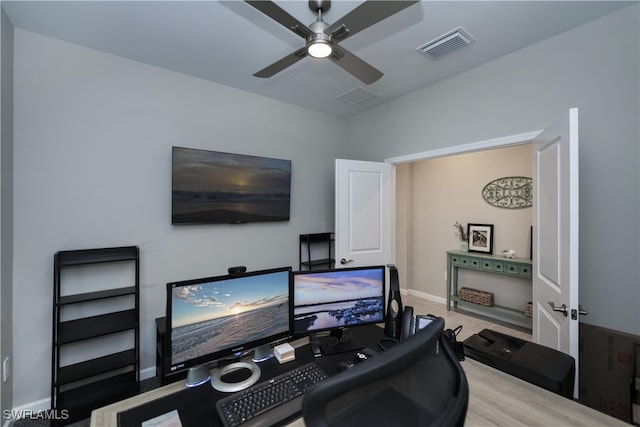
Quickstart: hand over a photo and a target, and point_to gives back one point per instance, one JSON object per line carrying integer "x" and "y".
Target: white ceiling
{"x": 227, "y": 41}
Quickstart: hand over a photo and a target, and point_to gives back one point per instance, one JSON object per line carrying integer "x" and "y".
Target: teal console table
{"x": 517, "y": 267}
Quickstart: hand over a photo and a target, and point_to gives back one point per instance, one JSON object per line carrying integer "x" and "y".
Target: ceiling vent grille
{"x": 357, "y": 96}
{"x": 446, "y": 43}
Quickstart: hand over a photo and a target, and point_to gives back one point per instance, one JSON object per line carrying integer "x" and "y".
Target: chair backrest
{"x": 418, "y": 382}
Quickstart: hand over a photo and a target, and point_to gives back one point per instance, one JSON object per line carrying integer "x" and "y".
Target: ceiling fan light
{"x": 319, "y": 49}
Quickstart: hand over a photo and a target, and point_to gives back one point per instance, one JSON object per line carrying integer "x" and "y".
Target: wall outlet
{"x": 5, "y": 369}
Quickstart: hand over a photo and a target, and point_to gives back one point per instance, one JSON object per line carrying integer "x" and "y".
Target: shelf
{"x": 92, "y": 381}
{"x": 496, "y": 309}
{"x": 95, "y": 326}
{"x": 317, "y": 262}
{"x": 98, "y": 295}
{"x": 94, "y": 256}
{"x": 316, "y": 239}
{"x": 89, "y": 368}
{"x": 519, "y": 268}
{"x": 81, "y": 401}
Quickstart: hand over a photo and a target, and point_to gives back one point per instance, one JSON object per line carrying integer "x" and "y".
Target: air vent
{"x": 446, "y": 43}
{"x": 357, "y": 96}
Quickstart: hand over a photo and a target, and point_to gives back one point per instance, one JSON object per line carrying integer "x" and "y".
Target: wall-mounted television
{"x": 209, "y": 187}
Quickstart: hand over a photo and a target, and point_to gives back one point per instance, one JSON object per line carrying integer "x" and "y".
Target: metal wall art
{"x": 510, "y": 192}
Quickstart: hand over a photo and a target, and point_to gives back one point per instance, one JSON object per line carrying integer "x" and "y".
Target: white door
{"x": 555, "y": 237}
{"x": 365, "y": 206}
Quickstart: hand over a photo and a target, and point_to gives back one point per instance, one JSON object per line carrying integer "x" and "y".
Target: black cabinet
{"x": 101, "y": 323}
{"x": 308, "y": 258}
{"x": 163, "y": 361}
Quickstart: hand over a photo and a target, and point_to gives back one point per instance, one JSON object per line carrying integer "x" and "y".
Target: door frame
{"x": 489, "y": 144}
{"x": 507, "y": 141}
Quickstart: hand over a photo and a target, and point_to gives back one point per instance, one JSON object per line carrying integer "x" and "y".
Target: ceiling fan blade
{"x": 281, "y": 64}
{"x": 364, "y": 16}
{"x": 276, "y": 13}
{"x": 354, "y": 65}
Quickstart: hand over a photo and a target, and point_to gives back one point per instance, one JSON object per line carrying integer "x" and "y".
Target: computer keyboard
{"x": 271, "y": 401}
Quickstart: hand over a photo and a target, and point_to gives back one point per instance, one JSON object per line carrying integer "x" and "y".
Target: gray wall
{"x": 92, "y": 143}
{"x": 594, "y": 67}
{"x": 93, "y": 137}
{"x": 6, "y": 204}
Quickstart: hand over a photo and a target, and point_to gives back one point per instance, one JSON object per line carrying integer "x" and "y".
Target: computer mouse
{"x": 344, "y": 365}
{"x": 364, "y": 354}
{"x": 360, "y": 357}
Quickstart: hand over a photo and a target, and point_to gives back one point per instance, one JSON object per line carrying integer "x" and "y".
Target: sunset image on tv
{"x": 215, "y": 187}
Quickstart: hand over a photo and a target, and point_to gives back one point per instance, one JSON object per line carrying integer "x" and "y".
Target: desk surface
{"x": 495, "y": 398}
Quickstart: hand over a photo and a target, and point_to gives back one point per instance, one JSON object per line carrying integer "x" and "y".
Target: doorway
{"x": 438, "y": 188}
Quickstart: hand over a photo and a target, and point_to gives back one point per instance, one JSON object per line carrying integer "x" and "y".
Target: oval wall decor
{"x": 511, "y": 192}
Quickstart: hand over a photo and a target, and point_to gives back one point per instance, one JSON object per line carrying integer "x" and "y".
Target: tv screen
{"x": 335, "y": 299}
{"x": 216, "y": 317}
{"x": 213, "y": 187}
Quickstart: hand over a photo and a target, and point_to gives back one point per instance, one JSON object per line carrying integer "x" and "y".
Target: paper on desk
{"x": 170, "y": 419}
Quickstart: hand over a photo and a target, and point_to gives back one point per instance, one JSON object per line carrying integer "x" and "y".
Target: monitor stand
{"x": 198, "y": 375}
{"x": 262, "y": 353}
{"x": 220, "y": 384}
{"x": 339, "y": 341}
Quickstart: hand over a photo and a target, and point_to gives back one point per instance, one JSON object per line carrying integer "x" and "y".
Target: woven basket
{"x": 528, "y": 309}
{"x": 476, "y": 296}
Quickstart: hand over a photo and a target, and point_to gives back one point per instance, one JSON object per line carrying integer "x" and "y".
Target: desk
{"x": 495, "y": 398}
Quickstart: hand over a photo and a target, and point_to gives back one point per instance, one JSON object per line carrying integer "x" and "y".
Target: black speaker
{"x": 393, "y": 322}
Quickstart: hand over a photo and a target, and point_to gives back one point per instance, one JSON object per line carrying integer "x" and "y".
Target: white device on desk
{"x": 284, "y": 352}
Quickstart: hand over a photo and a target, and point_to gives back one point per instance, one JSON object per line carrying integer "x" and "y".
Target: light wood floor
{"x": 471, "y": 324}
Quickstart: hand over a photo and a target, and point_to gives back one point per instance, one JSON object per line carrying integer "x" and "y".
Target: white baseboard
{"x": 29, "y": 408}
{"x": 424, "y": 295}
{"x": 147, "y": 373}
{"x": 37, "y": 406}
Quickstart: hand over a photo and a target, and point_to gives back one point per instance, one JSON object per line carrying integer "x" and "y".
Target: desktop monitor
{"x": 334, "y": 300}
{"x": 213, "y": 318}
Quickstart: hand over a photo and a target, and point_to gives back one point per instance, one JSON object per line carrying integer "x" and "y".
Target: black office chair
{"x": 418, "y": 382}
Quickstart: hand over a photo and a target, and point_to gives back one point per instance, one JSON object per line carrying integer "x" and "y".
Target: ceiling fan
{"x": 322, "y": 39}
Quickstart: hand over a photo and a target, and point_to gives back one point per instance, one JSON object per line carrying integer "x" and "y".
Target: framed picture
{"x": 480, "y": 238}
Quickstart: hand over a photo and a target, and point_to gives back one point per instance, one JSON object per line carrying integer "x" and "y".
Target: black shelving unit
{"x": 83, "y": 386}
{"x": 308, "y": 241}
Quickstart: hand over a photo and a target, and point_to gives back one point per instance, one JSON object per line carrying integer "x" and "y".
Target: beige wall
{"x": 433, "y": 194}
